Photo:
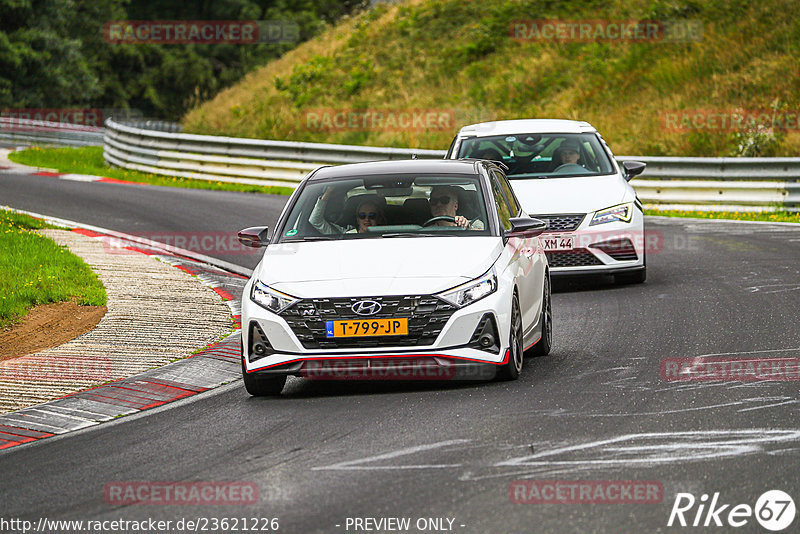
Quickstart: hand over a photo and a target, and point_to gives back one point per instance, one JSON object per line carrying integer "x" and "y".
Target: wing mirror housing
{"x": 254, "y": 237}
{"x": 526, "y": 227}
{"x": 632, "y": 168}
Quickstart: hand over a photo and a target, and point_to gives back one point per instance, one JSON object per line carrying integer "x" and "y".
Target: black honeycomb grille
{"x": 426, "y": 316}
{"x": 619, "y": 249}
{"x": 562, "y": 223}
{"x": 579, "y": 257}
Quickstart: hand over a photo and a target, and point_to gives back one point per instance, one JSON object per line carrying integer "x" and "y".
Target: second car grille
{"x": 579, "y": 257}
{"x": 561, "y": 223}
{"x": 426, "y": 315}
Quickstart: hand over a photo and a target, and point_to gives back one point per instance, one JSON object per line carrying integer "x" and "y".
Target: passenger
{"x": 444, "y": 203}
{"x": 367, "y": 214}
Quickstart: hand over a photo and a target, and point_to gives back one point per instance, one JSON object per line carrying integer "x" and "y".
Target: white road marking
{"x": 354, "y": 464}
{"x": 768, "y": 406}
{"x": 795, "y": 349}
{"x": 79, "y": 177}
{"x": 656, "y": 448}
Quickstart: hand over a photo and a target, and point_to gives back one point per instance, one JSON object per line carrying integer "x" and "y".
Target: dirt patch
{"x": 46, "y": 326}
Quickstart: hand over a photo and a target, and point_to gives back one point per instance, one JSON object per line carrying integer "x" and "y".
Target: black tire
{"x": 258, "y": 386}
{"x": 513, "y": 367}
{"x": 632, "y": 278}
{"x": 543, "y": 346}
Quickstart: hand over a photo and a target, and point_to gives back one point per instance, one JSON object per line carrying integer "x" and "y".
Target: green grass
{"x": 35, "y": 270}
{"x": 767, "y": 216}
{"x": 89, "y": 160}
{"x": 457, "y": 55}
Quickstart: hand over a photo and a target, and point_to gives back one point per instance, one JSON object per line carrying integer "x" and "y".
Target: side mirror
{"x": 255, "y": 236}
{"x": 524, "y": 227}
{"x": 632, "y": 168}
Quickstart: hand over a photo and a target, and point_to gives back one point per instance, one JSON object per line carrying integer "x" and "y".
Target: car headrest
{"x": 417, "y": 210}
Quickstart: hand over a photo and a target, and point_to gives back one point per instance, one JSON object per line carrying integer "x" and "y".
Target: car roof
{"x": 443, "y": 166}
{"x": 522, "y": 126}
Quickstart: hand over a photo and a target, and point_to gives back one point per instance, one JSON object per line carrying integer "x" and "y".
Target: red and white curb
{"x": 214, "y": 366}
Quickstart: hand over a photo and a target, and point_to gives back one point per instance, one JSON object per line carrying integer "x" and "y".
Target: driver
{"x": 444, "y": 203}
{"x": 568, "y": 152}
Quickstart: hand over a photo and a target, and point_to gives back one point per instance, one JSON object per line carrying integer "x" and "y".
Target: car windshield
{"x": 387, "y": 206}
{"x": 541, "y": 155}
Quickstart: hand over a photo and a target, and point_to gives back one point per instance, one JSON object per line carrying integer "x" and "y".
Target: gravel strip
{"x": 156, "y": 314}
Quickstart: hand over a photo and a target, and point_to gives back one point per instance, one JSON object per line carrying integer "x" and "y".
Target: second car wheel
{"x": 513, "y": 367}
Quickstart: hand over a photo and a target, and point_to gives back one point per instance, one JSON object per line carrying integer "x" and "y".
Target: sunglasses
{"x": 370, "y": 215}
{"x": 444, "y": 200}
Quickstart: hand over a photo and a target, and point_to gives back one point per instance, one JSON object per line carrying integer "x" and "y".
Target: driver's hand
{"x": 462, "y": 221}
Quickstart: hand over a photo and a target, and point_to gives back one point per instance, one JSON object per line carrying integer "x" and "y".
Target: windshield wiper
{"x": 312, "y": 238}
{"x": 410, "y": 234}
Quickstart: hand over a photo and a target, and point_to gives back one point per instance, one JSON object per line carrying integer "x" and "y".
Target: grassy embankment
{"x": 765, "y": 216}
{"x": 89, "y": 160}
{"x": 35, "y": 270}
{"x": 458, "y": 55}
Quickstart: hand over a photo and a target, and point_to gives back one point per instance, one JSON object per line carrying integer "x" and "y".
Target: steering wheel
{"x": 440, "y": 218}
{"x": 570, "y": 167}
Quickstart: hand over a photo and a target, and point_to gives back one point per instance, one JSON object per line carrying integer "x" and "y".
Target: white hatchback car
{"x": 393, "y": 269}
{"x": 564, "y": 173}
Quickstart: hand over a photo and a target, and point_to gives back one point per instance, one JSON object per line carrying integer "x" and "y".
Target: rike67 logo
{"x": 774, "y": 510}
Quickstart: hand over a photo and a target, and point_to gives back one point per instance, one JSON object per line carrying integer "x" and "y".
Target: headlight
{"x": 265, "y": 296}
{"x": 472, "y": 291}
{"x": 622, "y": 212}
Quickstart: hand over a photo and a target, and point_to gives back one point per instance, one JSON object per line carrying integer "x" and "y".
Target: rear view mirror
{"x": 632, "y": 168}
{"x": 524, "y": 227}
{"x": 255, "y": 236}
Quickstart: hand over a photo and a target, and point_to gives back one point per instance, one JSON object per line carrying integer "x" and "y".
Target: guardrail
{"x": 32, "y": 132}
{"x": 234, "y": 159}
{"x": 681, "y": 183}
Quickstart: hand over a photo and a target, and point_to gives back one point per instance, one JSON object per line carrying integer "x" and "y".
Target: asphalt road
{"x": 595, "y": 409}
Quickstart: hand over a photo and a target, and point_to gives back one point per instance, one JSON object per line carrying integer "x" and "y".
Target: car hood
{"x": 571, "y": 195}
{"x": 388, "y": 266}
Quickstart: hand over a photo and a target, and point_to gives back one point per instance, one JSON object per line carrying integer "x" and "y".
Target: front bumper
{"x": 453, "y": 346}
{"x": 609, "y": 248}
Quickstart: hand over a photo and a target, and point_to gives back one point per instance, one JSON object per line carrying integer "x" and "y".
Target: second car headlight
{"x": 265, "y": 296}
{"x": 621, "y": 212}
{"x": 472, "y": 291}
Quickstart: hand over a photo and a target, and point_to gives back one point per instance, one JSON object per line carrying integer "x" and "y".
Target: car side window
{"x": 503, "y": 209}
{"x": 515, "y": 208}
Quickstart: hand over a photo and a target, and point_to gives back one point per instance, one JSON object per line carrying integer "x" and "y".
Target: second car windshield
{"x": 384, "y": 206}
{"x": 541, "y": 155}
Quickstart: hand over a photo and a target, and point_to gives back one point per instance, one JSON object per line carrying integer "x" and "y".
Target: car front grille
{"x": 561, "y": 223}
{"x": 619, "y": 249}
{"x": 426, "y": 315}
{"x": 579, "y": 257}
